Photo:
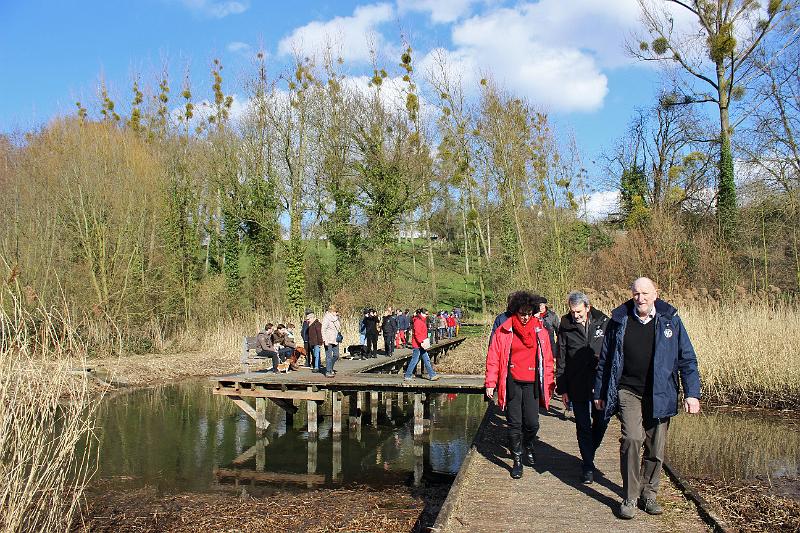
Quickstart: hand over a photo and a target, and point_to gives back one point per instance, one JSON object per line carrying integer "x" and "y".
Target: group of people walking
{"x": 627, "y": 364}
{"x": 396, "y": 326}
{"x": 399, "y": 329}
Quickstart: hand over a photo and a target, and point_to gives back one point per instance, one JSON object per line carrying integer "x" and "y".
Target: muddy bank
{"x": 392, "y": 509}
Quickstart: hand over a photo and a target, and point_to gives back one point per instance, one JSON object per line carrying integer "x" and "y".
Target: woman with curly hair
{"x": 519, "y": 365}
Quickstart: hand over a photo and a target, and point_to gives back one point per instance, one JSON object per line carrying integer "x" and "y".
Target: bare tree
{"x": 713, "y": 54}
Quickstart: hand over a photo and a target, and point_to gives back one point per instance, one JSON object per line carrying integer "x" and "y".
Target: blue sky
{"x": 565, "y": 55}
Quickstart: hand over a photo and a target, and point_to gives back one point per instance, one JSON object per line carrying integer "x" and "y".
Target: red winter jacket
{"x": 420, "y": 331}
{"x": 497, "y": 363}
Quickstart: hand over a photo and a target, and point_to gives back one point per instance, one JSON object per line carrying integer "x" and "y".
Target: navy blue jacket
{"x": 498, "y": 321}
{"x": 673, "y": 355}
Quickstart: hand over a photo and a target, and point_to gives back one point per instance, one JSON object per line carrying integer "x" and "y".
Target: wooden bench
{"x": 249, "y": 357}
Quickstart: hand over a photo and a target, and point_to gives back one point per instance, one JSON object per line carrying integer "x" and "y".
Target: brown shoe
{"x": 294, "y": 367}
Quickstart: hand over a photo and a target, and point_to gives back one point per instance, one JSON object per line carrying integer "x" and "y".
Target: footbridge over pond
{"x": 363, "y": 381}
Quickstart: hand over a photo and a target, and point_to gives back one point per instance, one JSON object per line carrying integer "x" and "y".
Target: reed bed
{"x": 46, "y": 419}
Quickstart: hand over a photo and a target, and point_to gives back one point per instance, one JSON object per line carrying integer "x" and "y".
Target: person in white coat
{"x": 331, "y": 336}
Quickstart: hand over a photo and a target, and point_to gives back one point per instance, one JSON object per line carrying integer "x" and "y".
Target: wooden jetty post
{"x": 418, "y": 415}
{"x": 336, "y": 413}
{"x": 373, "y": 408}
{"x": 387, "y": 402}
{"x": 261, "y": 415}
{"x": 261, "y": 455}
{"x": 312, "y": 459}
{"x": 426, "y": 412}
{"x": 419, "y": 463}
{"x": 311, "y": 414}
{"x": 336, "y": 468}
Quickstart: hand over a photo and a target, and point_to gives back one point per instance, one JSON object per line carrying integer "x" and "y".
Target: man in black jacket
{"x": 389, "y": 329}
{"x": 580, "y": 339}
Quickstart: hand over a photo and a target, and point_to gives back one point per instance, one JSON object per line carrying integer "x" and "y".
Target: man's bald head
{"x": 644, "y": 295}
{"x": 643, "y": 283}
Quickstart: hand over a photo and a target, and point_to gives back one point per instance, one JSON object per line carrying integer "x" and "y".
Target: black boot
{"x": 528, "y": 457}
{"x": 516, "y": 454}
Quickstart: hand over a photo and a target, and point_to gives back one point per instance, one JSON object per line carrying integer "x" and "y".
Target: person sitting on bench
{"x": 285, "y": 346}
{"x": 265, "y": 346}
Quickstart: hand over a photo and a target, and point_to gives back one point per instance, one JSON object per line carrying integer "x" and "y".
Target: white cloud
{"x": 441, "y": 11}
{"x": 238, "y": 47}
{"x": 512, "y": 44}
{"x": 354, "y": 35}
{"x": 217, "y": 9}
{"x": 599, "y": 205}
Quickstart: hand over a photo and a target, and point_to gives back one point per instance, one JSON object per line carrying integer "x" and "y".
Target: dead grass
{"x": 751, "y": 506}
{"x": 395, "y": 509}
{"x": 44, "y": 417}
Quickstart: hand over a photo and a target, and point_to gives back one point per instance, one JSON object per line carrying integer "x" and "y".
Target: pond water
{"x": 181, "y": 437}
{"x": 738, "y": 445}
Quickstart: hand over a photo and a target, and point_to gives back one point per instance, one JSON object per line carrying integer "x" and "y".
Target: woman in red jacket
{"x": 419, "y": 346}
{"x": 519, "y": 365}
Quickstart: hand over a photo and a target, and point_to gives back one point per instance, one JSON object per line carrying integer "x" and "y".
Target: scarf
{"x": 526, "y": 333}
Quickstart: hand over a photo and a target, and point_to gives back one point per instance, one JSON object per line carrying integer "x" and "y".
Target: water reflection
{"x": 182, "y": 437}
{"x": 735, "y": 445}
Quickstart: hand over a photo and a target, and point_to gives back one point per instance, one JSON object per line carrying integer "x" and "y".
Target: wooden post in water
{"x": 312, "y": 458}
{"x": 290, "y": 416}
{"x": 419, "y": 463}
{"x": 336, "y": 414}
{"x": 311, "y": 413}
{"x": 360, "y": 403}
{"x": 387, "y": 402}
{"x": 261, "y": 415}
{"x": 418, "y": 415}
{"x": 336, "y": 470}
{"x": 261, "y": 454}
{"x": 373, "y": 408}
{"x": 426, "y": 412}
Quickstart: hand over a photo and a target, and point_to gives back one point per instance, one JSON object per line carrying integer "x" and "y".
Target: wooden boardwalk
{"x": 354, "y": 377}
{"x": 549, "y": 497}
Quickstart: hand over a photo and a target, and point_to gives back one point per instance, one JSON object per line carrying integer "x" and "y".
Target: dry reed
{"x": 46, "y": 419}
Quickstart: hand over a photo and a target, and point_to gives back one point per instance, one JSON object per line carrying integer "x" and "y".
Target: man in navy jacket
{"x": 646, "y": 349}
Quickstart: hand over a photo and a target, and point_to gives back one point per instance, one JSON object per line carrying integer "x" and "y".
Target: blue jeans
{"x": 315, "y": 357}
{"x": 590, "y": 427}
{"x": 416, "y": 353}
{"x": 331, "y": 355}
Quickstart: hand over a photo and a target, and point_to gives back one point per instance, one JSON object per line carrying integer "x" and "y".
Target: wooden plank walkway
{"x": 352, "y": 375}
{"x": 549, "y": 497}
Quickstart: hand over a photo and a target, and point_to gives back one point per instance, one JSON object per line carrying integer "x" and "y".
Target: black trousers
{"x": 273, "y": 354}
{"x": 388, "y": 342}
{"x": 372, "y": 344}
{"x": 522, "y": 410}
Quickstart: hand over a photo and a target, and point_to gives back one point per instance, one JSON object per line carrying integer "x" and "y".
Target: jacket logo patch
{"x": 668, "y": 333}
{"x": 598, "y": 333}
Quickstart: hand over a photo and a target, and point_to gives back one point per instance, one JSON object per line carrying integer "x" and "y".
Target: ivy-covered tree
{"x": 716, "y": 66}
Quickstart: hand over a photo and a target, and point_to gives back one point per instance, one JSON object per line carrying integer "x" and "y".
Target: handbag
{"x": 426, "y": 344}
{"x": 339, "y": 337}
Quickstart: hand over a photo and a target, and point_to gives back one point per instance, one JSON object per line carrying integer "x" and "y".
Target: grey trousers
{"x": 640, "y": 473}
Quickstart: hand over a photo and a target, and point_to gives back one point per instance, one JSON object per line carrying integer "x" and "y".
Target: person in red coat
{"x": 420, "y": 343}
{"x": 520, "y": 367}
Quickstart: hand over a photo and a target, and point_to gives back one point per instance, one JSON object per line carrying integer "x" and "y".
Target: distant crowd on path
{"x": 399, "y": 329}
{"x": 396, "y": 326}
{"x": 627, "y": 365}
